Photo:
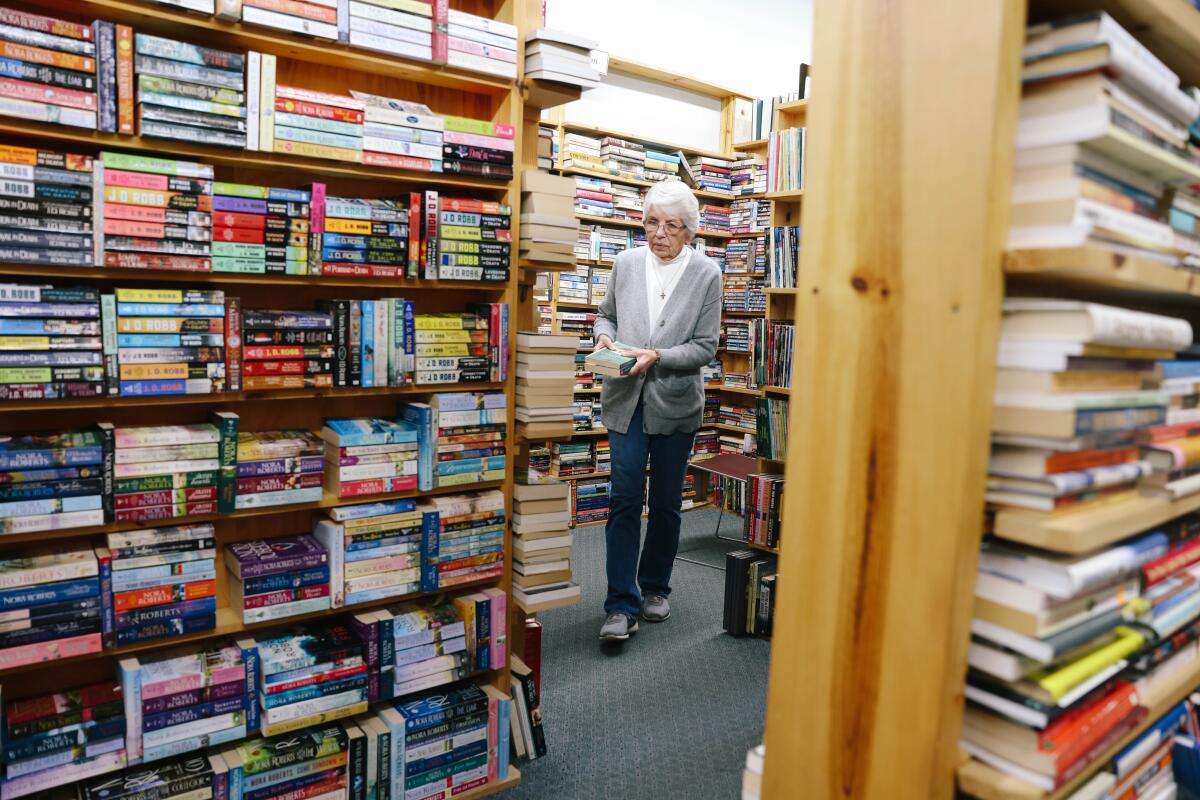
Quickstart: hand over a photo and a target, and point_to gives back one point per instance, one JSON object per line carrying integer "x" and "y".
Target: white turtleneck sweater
{"x": 663, "y": 276}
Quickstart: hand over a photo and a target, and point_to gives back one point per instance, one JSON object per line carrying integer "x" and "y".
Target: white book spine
{"x": 198, "y": 727}
{"x": 390, "y": 17}
{"x": 273, "y": 716}
{"x": 273, "y": 19}
{"x": 284, "y": 610}
{"x": 266, "y": 107}
{"x": 253, "y": 89}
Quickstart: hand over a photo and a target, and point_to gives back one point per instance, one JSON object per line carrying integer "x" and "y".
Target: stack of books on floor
{"x": 272, "y": 578}
{"x": 154, "y": 461}
{"x": 311, "y": 762}
{"x": 51, "y": 481}
{"x": 478, "y": 147}
{"x": 156, "y": 213}
{"x": 785, "y": 160}
{"x": 402, "y": 134}
{"x": 370, "y": 455}
{"x": 297, "y": 658}
{"x": 589, "y": 500}
{"x": 55, "y": 739}
{"x": 549, "y": 229}
{"x": 185, "y": 699}
{"x": 287, "y": 349}
{"x": 545, "y": 382}
{"x": 260, "y": 229}
{"x": 398, "y": 29}
{"x": 189, "y": 105}
{"x": 164, "y": 582}
{"x": 46, "y": 209}
{"x": 50, "y": 70}
{"x": 772, "y": 427}
{"x": 561, "y": 57}
{"x": 750, "y": 590}
{"x": 1066, "y": 193}
{"x": 377, "y": 550}
{"x": 276, "y": 468}
{"x": 169, "y": 341}
{"x": 51, "y": 607}
{"x": 474, "y": 240}
{"x": 482, "y": 44}
{"x": 583, "y": 152}
{"x": 470, "y": 543}
{"x": 542, "y": 546}
{"x": 51, "y": 342}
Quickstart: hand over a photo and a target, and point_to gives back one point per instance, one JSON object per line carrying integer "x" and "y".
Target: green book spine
{"x": 227, "y": 424}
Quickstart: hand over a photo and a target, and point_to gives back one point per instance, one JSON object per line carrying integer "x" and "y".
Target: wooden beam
{"x": 658, "y": 75}
{"x": 897, "y": 314}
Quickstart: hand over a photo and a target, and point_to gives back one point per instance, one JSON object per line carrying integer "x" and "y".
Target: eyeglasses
{"x": 672, "y": 228}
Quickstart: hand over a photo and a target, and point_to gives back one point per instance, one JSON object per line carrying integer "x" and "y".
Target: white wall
{"x": 756, "y": 50}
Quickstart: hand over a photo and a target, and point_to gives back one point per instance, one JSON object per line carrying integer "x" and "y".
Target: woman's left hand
{"x": 645, "y": 360}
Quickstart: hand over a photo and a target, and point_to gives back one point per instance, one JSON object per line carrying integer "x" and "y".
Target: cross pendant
{"x": 662, "y": 295}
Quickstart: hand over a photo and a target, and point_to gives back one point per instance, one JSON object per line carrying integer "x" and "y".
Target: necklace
{"x": 662, "y": 290}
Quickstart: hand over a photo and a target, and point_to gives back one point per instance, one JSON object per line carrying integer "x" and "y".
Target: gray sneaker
{"x": 655, "y": 608}
{"x": 617, "y": 627}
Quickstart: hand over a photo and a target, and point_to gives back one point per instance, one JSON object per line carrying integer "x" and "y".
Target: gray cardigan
{"x": 686, "y": 337}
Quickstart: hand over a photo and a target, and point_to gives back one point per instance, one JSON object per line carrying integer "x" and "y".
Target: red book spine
{"x": 233, "y": 344}
{"x": 1161, "y": 568}
{"x": 165, "y": 497}
{"x": 429, "y": 239}
{"x": 362, "y": 270}
{"x": 394, "y": 161}
{"x": 165, "y": 512}
{"x": 533, "y": 653}
{"x": 160, "y": 595}
{"x": 230, "y": 219}
{"x": 242, "y": 235}
{"x": 1071, "y": 735}
{"x": 157, "y": 261}
{"x": 406, "y": 483}
{"x": 414, "y": 234}
{"x": 280, "y": 483}
{"x": 312, "y": 680}
{"x": 441, "y": 28}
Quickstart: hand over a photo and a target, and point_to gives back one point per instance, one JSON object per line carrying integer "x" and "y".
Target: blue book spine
{"x": 40, "y": 490}
{"x": 285, "y": 580}
{"x": 170, "y": 310}
{"x": 163, "y": 571}
{"x": 368, "y": 342}
{"x": 11, "y": 460}
{"x": 25, "y": 597}
{"x": 253, "y": 662}
{"x": 470, "y": 465}
{"x": 120, "y": 584}
{"x": 343, "y": 513}
{"x": 433, "y": 762}
{"x": 183, "y": 612}
{"x": 430, "y": 534}
{"x": 290, "y": 195}
{"x": 167, "y": 628}
{"x": 168, "y": 340}
{"x": 410, "y": 343}
{"x": 52, "y": 505}
{"x": 503, "y": 720}
{"x": 159, "y": 387}
{"x": 404, "y": 548}
{"x": 371, "y": 595}
{"x": 483, "y": 633}
{"x": 180, "y": 716}
{"x": 107, "y": 615}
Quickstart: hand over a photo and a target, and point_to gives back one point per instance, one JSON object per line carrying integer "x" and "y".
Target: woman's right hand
{"x": 603, "y": 342}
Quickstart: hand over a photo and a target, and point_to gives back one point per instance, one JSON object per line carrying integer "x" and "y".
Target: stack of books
{"x": 376, "y": 551}
{"x": 545, "y": 382}
{"x": 453, "y": 348}
{"x": 620, "y": 157}
{"x": 51, "y": 342}
{"x": 54, "y": 739}
{"x": 164, "y": 582}
{"x": 743, "y": 293}
{"x": 471, "y": 537}
{"x": 260, "y": 229}
{"x": 299, "y": 16}
{"x": 785, "y": 160}
{"x": 745, "y": 215}
{"x": 169, "y": 341}
{"x": 478, "y": 147}
{"x": 772, "y": 427}
{"x": 573, "y": 286}
{"x": 400, "y": 29}
{"x": 363, "y": 238}
{"x": 370, "y": 455}
{"x": 272, "y": 578}
{"x": 52, "y": 607}
{"x": 478, "y": 419}
{"x": 748, "y": 175}
{"x": 610, "y": 361}
{"x": 309, "y": 137}
{"x": 713, "y": 373}
{"x": 276, "y": 468}
{"x": 1072, "y": 392}
{"x": 172, "y": 779}
{"x": 315, "y": 760}
{"x": 561, "y": 57}
{"x": 785, "y": 257}
{"x": 200, "y": 100}
{"x": 182, "y": 700}
{"x": 704, "y": 445}
{"x": 599, "y": 288}
{"x": 712, "y": 405}
{"x": 401, "y": 134}
{"x": 546, "y": 148}
{"x": 156, "y": 212}
{"x": 709, "y": 174}
{"x": 715, "y": 218}
{"x": 749, "y": 593}
{"x": 583, "y": 408}
{"x": 474, "y": 240}
{"x": 736, "y": 335}
{"x": 49, "y": 72}
{"x": 738, "y": 415}
{"x": 660, "y": 166}
{"x": 589, "y": 501}
{"x": 298, "y": 665}
{"x": 46, "y": 210}
{"x": 568, "y": 459}
{"x": 482, "y": 44}
{"x": 1103, "y": 124}
{"x": 549, "y": 229}
{"x": 761, "y": 519}
{"x": 583, "y": 152}
{"x": 593, "y": 196}
{"x": 417, "y": 645}
{"x": 152, "y": 462}
{"x": 542, "y": 546}
{"x": 287, "y": 349}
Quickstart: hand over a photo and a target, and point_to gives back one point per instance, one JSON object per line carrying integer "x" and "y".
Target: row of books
{"x": 785, "y": 257}
{"x": 750, "y": 591}
{"x": 771, "y": 354}
{"x": 620, "y": 157}
{"x": 745, "y": 256}
{"x": 604, "y": 244}
{"x": 586, "y": 285}
{"x": 785, "y": 160}
{"x": 755, "y": 119}
{"x": 743, "y": 293}
{"x": 771, "y": 438}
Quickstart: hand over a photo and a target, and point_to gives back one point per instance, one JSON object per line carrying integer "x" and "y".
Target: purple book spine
{"x": 282, "y": 555}
{"x": 281, "y": 466}
{"x": 240, "y": 205}
{"x": 170, "y": 702}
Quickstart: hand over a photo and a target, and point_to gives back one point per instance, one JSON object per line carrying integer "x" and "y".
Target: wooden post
{"x": 912, "y": 128}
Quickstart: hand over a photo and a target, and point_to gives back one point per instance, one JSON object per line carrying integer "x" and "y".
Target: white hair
{"x": 674, "y": 197}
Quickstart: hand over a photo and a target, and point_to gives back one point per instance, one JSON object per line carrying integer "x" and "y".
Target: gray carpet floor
{"x": 669, "y": 714}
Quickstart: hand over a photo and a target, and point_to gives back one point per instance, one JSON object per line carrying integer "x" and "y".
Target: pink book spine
{"x": 184, "y": 683}
{"x": 476, "y": 140}
{"x": 499, "y": 629}
{"x": 50, "y": 651}
{"x": 493, "y": 737}
{"x": 236, "y": 672}
{"x": 485, "y": 50}
{"x": 316, "y": 227}
{"x": 505, "y": 131}
{"x": 441, "y": 24}
{"x": 135, "y": 180}
{"x": 38, "y": 93}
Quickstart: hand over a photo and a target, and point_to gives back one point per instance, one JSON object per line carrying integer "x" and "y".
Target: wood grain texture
{"x": 905, "y": 215}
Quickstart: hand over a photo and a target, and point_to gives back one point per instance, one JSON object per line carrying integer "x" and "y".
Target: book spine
{"x": 106, "y": 75}
{"x": 107, "y": 615}
{"x": 253, "y": 663}
{"x": 266, "y": 104}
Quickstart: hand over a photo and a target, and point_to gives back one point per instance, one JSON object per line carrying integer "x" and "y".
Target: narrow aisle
{"x": 670, "y": 715}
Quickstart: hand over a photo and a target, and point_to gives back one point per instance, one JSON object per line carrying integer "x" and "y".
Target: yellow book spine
{"x": 317, "y": 151}
{"x": 148, "y": 372}
{"x": 149, "y": 295}
{"x": 24, "y": 342}
{"x": 314, "y": 719}
{"x": 461, "y": 232}
{"x": 438, "y": 322}
{"x": 1063, "y": 680}
{"x": 427, "y": 337}
{"x": 347, "y": 225}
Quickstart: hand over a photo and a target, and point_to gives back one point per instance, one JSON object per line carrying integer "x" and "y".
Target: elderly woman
{"x": 664, "y": 303}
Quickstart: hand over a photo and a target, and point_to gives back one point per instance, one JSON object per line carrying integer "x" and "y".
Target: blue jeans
{"x": 668, "y": 454}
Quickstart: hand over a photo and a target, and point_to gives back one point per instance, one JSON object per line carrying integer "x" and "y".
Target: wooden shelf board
{"x": 587, "y": 391}
{"x": 565, "y": 304}
{"x": 545, "y": 266}
{"x": 1150, "y": 161}
{"x": 783, "y": 291}
{"x": 233, "y": 157}
{"x": 1088, "y": 529}
{"x": 762, "y": 547}
{"x": 736, "y": 390}
{"x": 753, "y": 144}
{"x": 981, "y": 780}
{"x": 747, "y": 235}
{"x": 715, "y": 235}
{"x": 657, "y": 75}
{"x": 585, "y": 476}
{"x": 793, "y": 106}
{"x": 229, "y": 623}
{"x": 660, "y": 146}
{"x": 796, "y": 194}
{"x": 743, "y": 313}
{"x": 622, "y": 223}
{"x": 156, "y": 18}
{"x": 777, "y": 389}
{"x": 594, "y": 173}
{"x": 1096, "y": 267}
{"x": 238, "y": 397}
{"x": 1169, "y": 28}
{"x": 233, "y": 278}
{"x": 593, "y": 432}
{"x": 329, "y": 501}
{"x": 721, "y": 426}
{"x": 714, "y": 195}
